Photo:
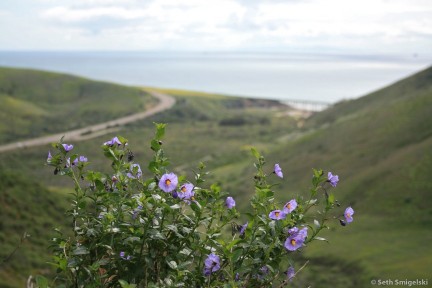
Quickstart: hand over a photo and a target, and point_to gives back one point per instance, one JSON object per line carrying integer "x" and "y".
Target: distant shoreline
{"x": 280, "y": 76}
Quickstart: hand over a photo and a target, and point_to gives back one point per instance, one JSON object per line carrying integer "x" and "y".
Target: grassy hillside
{"x": 379, "y": 145}
{"x": 35, "y": 103}
{"x": 26, "y": 208}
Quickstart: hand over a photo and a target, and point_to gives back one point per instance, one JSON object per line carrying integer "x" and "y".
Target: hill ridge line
{"x": 165, "y": 102}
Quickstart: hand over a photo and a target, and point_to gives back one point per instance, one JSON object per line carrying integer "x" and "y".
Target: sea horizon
{"x": 328, "y": 78}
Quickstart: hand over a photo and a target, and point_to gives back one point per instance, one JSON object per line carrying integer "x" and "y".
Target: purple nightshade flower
{"x": 348, "y": 214}
{"x": 81, "y": 159}
{"x": 134, "y": 171}
{"x": 237, "y": 277}
{"x": 277, "y": 215}
{"x": 49, "y": 158}
{"x": 136, "y": 212}
{"x": 123, "y": 256}
{"x": 242, "y": 229}
{"x": 230, "y": 202}
{"x": 113, "y": 142}
{"x": 168, "y": 182}
{"x": 296, "y": 239}
{"x": 186, "y": 191}
{"x": 278, "y": 170}
{"x": 333, "y": 179}
{"x": 290, "y": 273}
{"x": 263, "y": 272}
{"x": 293, "y": 230}
{"x": 67, "y": 147}
{"x": 290, "y": 206}
{"x": 211, "y": 264}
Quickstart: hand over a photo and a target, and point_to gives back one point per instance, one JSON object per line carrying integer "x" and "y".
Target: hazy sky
{"x": 313, "y": 26}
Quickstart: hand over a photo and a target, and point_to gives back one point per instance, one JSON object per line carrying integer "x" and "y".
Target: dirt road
{"x": 92, "y": 131}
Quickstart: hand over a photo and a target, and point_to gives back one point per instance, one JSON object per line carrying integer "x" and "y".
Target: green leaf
{"x": 321, "y": 239}
{"x": 81, "y": 250}
{"x": 175, "y": 206}
{"x": 255, "y": 153}
{"x": 172, "y": 264}
{"x": 155, "y": 146}
{"x": 196, "y": 207}
{"x": 236, "y": 255}
{"x": 311, "y": 202}
{"x": 331, "y": 199}
{"x": 125, "y": 284}
{"x": 160, "y": 130}
{"x": 41, "y": 282}
{"x": 122, "y": 140}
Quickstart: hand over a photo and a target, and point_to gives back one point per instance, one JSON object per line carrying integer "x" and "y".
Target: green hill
{"x": 35, "y": 103}
{"x": 379, "y": 145}
{"x": 26, "y": 208}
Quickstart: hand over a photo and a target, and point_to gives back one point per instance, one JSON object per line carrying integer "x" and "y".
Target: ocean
{"x": 281, "y": 76}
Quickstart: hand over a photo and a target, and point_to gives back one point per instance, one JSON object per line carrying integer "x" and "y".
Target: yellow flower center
{"x": 277, "y": 214}
{"x": 183, "y": 189}
{"x": 293, "y": 242}
{"x": 168, "y": 182}
{"x": 288, "y": 205}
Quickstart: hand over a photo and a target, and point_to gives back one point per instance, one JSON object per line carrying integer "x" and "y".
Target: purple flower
{"x": 112, "y": 142}
{"x": 348, "y": 214}
{"x": 243, "y": 228}
{"x": 263, "y": 272}
{"x": 277, "y": 215}
{"x": 67, "y": 147}
{"x": 123, "y": 256}
{"x": 333, "y": 179}
{"x": 211, "y": 264}
{"x": 186, "y": 191}
{"x": 49, "y": 158}
{"x": 290, "y": 206}
{"x": 290, "y": 273}
{"x": 81, "y": 159}
{"x": 278, "y": 170}
{"x": 296, "y": 238}
{"x": 168, "y": 182}
{"x": 134, "y": 171}
{"x": 229, "y": 202}
{"x": 136, "y": 212}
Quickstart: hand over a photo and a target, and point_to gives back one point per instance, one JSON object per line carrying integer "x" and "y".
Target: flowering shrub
{"x": 159, "y": 229}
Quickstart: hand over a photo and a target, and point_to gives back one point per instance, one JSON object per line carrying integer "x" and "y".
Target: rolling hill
{"x": 35, "y": 103}
{"x": 379, "y": 145}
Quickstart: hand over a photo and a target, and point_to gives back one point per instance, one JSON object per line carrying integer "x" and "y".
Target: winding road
{"x": 92, "y": 131}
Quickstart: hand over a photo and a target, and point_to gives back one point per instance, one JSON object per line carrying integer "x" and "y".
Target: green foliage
{"x": 134, "y": 231}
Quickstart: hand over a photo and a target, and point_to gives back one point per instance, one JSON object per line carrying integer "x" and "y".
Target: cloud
{"x": 228, "y": 24}
{"x": 68, "y": 14}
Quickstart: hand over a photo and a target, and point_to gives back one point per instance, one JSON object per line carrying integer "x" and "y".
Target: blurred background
{"x": 345, "y": 86}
